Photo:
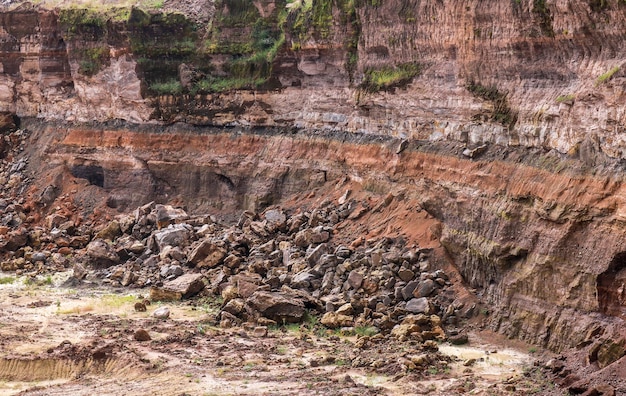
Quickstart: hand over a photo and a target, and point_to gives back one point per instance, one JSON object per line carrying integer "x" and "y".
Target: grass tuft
{"x": 606, "y": 76}
{"x": 388, "y": 78}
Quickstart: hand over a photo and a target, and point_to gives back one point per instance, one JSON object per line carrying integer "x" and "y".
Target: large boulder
{"x": 275, "y": 220}
{"x": 425, "y": 288}
{"x": 334, "y": 320}
{"x": 166, "y": 215}
{"x": 185, "y": 286}
{"x": 418, "y": 305}
{"x": 110, "y": 231}
{"x": 102, "y": 254}
{"x": 173, "y": 235}
{"x": 14, "y": 240}
{"x": 208, "y": 253}
{"x": 279, "y": 307}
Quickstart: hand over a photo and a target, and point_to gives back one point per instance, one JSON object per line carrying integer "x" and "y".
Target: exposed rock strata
{"x": 528, "y": 73}
{"x": 540, "y": 235}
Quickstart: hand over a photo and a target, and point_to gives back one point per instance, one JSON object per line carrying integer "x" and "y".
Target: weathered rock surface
{"x": 185, "y": 286}
{"x": 276, "y": 306}
{"x": 102, "y": 253}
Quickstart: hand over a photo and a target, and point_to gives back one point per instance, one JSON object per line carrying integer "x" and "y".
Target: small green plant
{"x": 541, "y": 10}
{"x": 565, "y": 98}
{"x": 48, "y": 280}
{"x": 387, "y": 78}
{"x": 606, "y": 76}
{"x": 156, "y": 4}
{"x": 292, "y": 327}
{"x": 6, "y": 280}
{"x": 367, "y": 331}
{"x": 117, "y": 301}
{"x": 171, "y": 87}
{"x": 532, "y": 350}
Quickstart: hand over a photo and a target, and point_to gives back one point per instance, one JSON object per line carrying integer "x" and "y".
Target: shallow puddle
{"x": 490, "y": 361}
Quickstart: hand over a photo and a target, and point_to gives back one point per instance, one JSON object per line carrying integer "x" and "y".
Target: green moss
{"x": 90, "y": 24}
{"x": 541, "y": 10}
{"x": 91, "y": 60}
{"x": 252, "y": 55}
{"x": 237, "y": 13}
{"x": 350, "y": 19}
{"x": 607, "y": 76}
{"x": 502, "y": 113}
{"x": 314, "y": 18}
{"x": 322, "y": 17}
{"x": 388, "y": 78}
{"x": 170, "y": 87}
{"x": 599, "y": 5}
{"x": 366, "y": 331}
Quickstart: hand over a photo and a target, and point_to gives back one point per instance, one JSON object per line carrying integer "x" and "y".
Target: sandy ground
{"x": 58, "y": 341}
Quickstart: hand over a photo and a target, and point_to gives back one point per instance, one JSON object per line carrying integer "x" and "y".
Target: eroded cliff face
{"x": 384, "y": 94}
{"x": 529, "y": 73}
{"x": 540, "y": 237}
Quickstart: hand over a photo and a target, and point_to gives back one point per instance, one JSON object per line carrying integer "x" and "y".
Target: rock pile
{"x": 278, "y": 268}
{"x": 270, "y": 268}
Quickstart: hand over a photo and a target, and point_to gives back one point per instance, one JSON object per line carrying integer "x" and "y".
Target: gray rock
{"x": 161, "y": 313}
{"x": 182, "y": 287}
{"x": 166, "y": 214}
{"x": 235, "y": 306}
{"x": 418, "y": 305}
{"x": 355, "y": 279}
{"x": 171, "y": 270}
{"x": 343, "y": 251}
{"x": 173, "y": 235}
{"x": 475, "y": 152}
{"x": 314, "y": 255}
{"x": 407, "y": 291}
{"x": 458, "y": 339}
{"x": 302, "y": 280}
{"x": 38, "y": 257}
{"x": 425, "y": 288}
{"x": 303, "y": 238}
{"x": 110, "y": 232}
{"x": 276, "y": 219}
{"x": 327, "y": 261}
{"x": 319, "y": 235}
{"x": 327, "y": 281}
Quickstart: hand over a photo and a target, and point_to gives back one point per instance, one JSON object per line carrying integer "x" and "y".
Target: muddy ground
{"x": 58, "y": 340}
